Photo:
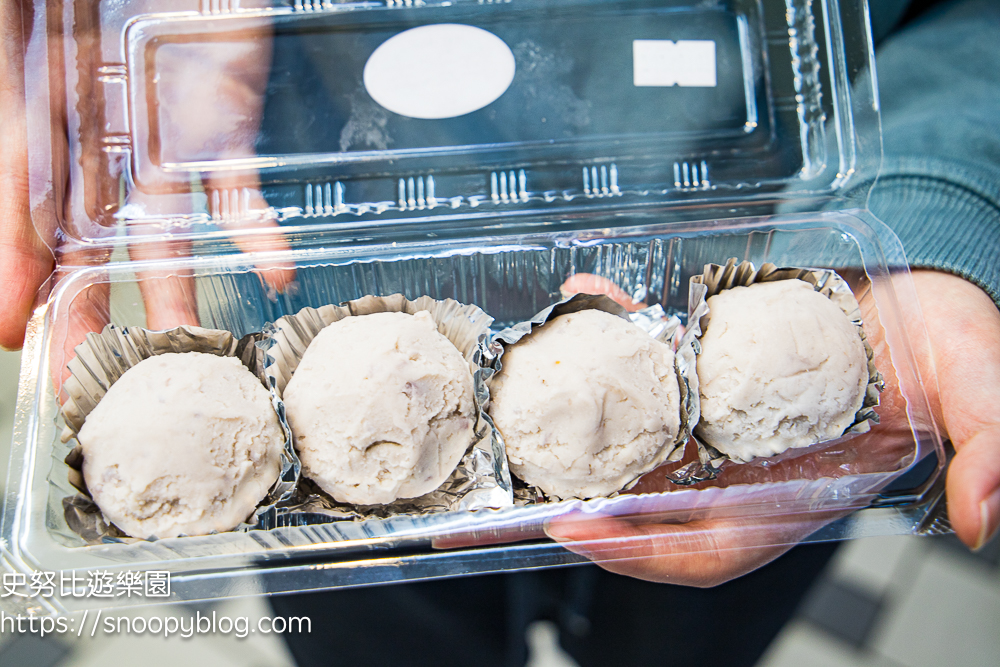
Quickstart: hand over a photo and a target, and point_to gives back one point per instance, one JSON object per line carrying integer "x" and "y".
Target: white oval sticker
{"x": 439, "y": 71}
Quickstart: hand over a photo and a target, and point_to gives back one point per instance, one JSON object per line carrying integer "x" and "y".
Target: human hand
{"x": 963, "y": 325}
{"x": 25, "y": 259}
{"x": 36, "y": 253}
{"x": 964, "y": 345}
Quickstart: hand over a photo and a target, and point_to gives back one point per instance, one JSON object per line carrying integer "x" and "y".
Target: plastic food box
{"x": 191, "y": 153}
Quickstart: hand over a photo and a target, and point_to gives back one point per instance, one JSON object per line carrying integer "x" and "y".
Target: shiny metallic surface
{"x": 103, "y": 358}
{"x": 481, "y": 479}
{"x": 652, "y": 320}
{"x": 718, "y": 277}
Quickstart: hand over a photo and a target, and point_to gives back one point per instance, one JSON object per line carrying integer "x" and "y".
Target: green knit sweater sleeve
{"x": 939, "y": 186}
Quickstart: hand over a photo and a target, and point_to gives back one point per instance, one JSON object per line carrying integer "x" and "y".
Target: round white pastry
{"x": 586, "y": 403}
{"x": 181, "y": 444}
{"x": 781, "y": 366}
{"x": 381, "y": 407}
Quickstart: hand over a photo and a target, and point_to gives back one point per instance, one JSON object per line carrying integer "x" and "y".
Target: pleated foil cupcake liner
{"x": 481, "y": 480}
{"x": 716, "y": 278}
{"x": 652, "y": 320}
{"x": 104, "y": 357}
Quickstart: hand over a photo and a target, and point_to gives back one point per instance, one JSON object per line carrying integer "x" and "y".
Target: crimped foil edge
{"x": 104, "y": 357}
{"x": 481, "y": 479}
{"x": 653, "y": 320}
{"x": 716, "y": 278}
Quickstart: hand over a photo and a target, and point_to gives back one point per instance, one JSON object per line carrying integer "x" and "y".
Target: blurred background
{"x": 883, "y": 602}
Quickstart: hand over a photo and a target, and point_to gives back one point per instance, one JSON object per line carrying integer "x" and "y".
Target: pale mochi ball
{"x": 781, "y": 366}
{"x": 181, "y": 444}
{"x": 381, "y": 407}
{"x": 586, "y": 403}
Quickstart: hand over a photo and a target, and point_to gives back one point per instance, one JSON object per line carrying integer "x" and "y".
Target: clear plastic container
{"x": 230, "y": 163}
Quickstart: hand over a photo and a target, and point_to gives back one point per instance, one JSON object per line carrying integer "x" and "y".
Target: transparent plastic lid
{"x": 194, "y": 116}
{"x": 494, "y": 153}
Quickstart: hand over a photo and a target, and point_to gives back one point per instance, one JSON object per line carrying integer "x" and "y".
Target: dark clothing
{"x": 604, "y": 619}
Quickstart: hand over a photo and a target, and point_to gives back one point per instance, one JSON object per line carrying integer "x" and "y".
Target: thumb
{"x": 963, "y": 324}
{"x": 974, "y": 488}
